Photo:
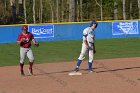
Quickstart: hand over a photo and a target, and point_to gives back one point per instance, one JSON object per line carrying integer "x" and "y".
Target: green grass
{"x": 118, "y": 48}
{"x": 61, "y": 51}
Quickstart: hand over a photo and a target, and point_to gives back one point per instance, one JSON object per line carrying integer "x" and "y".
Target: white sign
{"x": 120, "y": 28}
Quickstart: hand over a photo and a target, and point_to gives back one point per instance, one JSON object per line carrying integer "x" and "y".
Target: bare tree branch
{"x": 100, "y": 8}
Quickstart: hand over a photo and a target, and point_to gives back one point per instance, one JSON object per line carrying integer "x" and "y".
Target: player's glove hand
{"x": 25, "y": 41}
{"x": 94, "y": 51}
{"x": 37, "y": 44}
{"x": 90, "y": 48}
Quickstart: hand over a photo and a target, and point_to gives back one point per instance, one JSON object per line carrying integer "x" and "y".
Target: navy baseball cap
{"x": 93, "y": 22}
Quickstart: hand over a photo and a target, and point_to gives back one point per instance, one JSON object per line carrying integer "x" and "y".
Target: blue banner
{"x": 42, "y": 31}
{"x": 121, "y": 28}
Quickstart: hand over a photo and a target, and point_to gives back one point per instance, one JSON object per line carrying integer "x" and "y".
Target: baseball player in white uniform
{"x": 87, "y": 46}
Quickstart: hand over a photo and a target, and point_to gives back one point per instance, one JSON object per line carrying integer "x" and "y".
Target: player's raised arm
{"x": 35, "y": 42}
{"x": 20, "y": 40}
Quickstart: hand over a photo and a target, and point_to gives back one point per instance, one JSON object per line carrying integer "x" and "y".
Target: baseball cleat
{"x": 76, "y": 69}
{"x": 30, "y": 71}
{"x": 22, "y": 73}
{"x": 90, "y": 70}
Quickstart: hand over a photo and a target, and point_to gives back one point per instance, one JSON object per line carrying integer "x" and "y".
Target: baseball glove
{"x": 94, "y": 51}
{"x": 37, "y": 44}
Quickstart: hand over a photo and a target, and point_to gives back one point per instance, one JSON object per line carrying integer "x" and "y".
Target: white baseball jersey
{"x": 88, "y": 47}
{"x": 88, "y": 35}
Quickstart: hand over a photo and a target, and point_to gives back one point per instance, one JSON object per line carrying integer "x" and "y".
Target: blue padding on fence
{"x": 8, "y": 34}
{"x": 103, "y": 30}
{"x": 72, "y": 31}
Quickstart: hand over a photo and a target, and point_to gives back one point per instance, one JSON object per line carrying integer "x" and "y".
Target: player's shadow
{"x": 119, "y": 69}
{"x": 42, "y": 72}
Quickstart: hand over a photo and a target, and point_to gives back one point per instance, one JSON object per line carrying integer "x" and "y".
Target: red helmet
{"x": 24, "y": 27}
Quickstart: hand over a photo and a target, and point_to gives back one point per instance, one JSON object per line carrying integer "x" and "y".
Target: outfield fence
{"x": 72, "y": 31}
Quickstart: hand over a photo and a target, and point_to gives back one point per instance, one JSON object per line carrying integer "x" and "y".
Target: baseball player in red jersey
{"x": 24, "y": 40}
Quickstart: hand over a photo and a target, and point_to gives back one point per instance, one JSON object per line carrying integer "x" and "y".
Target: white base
{"x": 75, "y": 73}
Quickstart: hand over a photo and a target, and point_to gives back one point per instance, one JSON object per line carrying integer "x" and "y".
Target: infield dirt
{"x": 118, "y": 75}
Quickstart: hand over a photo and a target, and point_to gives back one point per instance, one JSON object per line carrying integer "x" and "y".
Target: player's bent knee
{"x": 31, "y": 60}
{"x": 81, "y": 57}
{"x": 22, "y": 62}
{"x": 90, "y": 61}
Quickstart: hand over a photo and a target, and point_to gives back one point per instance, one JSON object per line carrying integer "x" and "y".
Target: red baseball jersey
{"x": 26, "y": 38}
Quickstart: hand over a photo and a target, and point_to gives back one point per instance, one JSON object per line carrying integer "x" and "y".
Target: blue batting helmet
{"x": 94, "y": 22}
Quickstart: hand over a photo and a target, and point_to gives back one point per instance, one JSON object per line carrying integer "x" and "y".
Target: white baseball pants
{"x": 24, "y": 52}
{"x": 85, "y": 51}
